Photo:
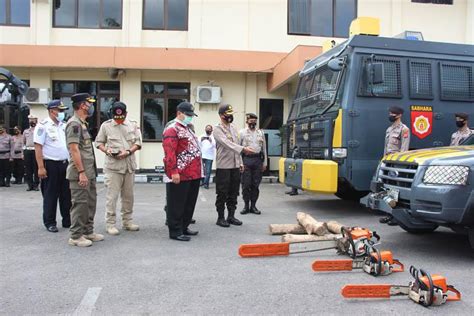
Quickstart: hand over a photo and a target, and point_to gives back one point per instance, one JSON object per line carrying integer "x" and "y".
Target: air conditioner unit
{"x": 36, "y": 95}
{"x": 208, "y": 94}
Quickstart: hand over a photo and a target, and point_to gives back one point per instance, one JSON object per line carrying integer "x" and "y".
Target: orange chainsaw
{"x": 375, "y": 263}
{"x": 426, "y": 289}
{"x": 353, "y": 243}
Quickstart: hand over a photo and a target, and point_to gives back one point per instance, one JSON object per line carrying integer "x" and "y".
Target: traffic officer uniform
{"x": 116, "y": 135}
{"x": 31, "y": 167}
{"x": 18, "y": 167}
{"x": 254, "y": 164}
{"x": 6, "y": 152}
{"x": 50, "y": 135}
{"x": 463, "y": 131}
{"x": 84, "y": 198}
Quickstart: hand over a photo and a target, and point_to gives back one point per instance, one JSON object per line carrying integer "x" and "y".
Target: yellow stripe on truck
{"x": 281, "y": 170}
{"x": 337, "y": 136}
{"x": 319, "y": 176}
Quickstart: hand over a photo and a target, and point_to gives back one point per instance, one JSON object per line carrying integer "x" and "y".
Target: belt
{"x": 18, "y": 151}
{"x": 4, "y": 151}
{"x": 252, "y": 155}
{"x": 58, "y": 161}
{"x": 30, "y": 148}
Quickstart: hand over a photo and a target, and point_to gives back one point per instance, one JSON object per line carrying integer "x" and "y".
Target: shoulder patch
{"x": 40, "y": 131}
{"x": 75, "y": 129}
{"x": 405, "y": 133}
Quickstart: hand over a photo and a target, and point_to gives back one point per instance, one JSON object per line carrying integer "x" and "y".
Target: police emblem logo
{"x": 421, "y": 120}
{"x": 40, "y": 131}
{"x": 421, "y": 124}
{"x": 75, "y": 129}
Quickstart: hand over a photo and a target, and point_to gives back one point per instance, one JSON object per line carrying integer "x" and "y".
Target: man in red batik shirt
{"x": 183, "y": 166}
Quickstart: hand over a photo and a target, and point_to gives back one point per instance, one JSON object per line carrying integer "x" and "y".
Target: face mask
{"x": 61, "y": 116}
{"x": 459, "y": 123}
{"x": 392, "y": 118}
{"x": 252, "y": 125}
{"x": 32, "y": 124}
{"x": 16, "y": 132}
{"x": 187, "y": 119}
{"x": 229, "y": 118}
{"x": 208, "y": 132}
{"x": 90, "y": 111}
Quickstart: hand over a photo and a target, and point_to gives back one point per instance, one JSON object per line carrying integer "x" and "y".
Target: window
{"x": 457, "y": 82}
{"x": 271, "y": 120}
{"x": 392, "y": 84}
{"x": 94, "y": 14}
{"x": 434, "y": 1}
{"x": 159, "y": 101}
{"x": 106, "y": 93}
{"x": 15, "y": 12}
{"x": 165, "y": 15}
{"x": 421, "y": 82}
{"x": 330, "y": 18}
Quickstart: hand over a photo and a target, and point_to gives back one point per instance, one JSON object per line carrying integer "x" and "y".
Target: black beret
{"x": 395, "y": 110}
{"x": 464, "y": 116}
{"x": 226, "y": 109}
{"x": 251, "y": 116}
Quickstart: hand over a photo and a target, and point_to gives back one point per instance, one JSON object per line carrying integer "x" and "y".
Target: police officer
{"x": 82, "y": 173}
{"x": 228, "y": 166}
{"x": 119, "y": 138}
{"x": 397, "y": 139}
{"x": 463, "y": 131}
{"x": 17, "y": 165}
{"x": 254, "y": 164}
{"x": 6, "y": 151}
{"x": 51, "y": 157}
{"x": 31, "y": 167}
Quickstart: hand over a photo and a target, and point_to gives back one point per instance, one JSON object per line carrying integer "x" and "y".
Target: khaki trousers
{"x": 84, "y": 202}
{"x": 119, "y": 184}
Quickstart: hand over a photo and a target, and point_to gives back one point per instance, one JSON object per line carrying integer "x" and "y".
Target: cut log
{"x": 304, "y": 238}
{"x": 334, "y": 227}
{"x": 311, "y": 225}
{"x": 280, "y": 229}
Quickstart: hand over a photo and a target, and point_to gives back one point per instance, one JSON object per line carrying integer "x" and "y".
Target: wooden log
{"x": 280, "y": 229}
{"x": 291, "y": 238}
{"x": 311, "y": 225}
{"x": 334, "y": 227}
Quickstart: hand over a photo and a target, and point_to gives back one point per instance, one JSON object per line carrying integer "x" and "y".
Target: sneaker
{"x": 112, "y": 230}
{"x": 80, "y": 242}
{"x": 94, "y": 237}
{"x": 131, "y": 227}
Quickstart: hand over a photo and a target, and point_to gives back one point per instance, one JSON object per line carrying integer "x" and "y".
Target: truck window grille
{"x": 392, "y": 85}
{"x": 421, "y": 82}
{"x": 457, "y": 82}
{"x": 396, "y": 174}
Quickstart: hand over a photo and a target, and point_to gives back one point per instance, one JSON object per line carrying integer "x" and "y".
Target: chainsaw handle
{"x": 400, "y": 265}
{"x": 456, "y": 296}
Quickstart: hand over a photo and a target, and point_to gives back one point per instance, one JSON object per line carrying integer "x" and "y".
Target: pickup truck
{"x": 427, "y": 188}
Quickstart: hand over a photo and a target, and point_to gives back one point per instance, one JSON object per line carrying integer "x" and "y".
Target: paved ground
{"x": 146, "y": 273}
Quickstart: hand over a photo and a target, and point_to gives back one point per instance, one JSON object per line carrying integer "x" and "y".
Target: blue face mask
{"x": 61, "y": 116}
{"x": 90, "y": 111}
{"x": 187, "y": 119}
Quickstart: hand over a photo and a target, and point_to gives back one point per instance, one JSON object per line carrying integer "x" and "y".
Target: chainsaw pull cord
{"x": 378, "y": 260}
{"x": 416, "y": 274}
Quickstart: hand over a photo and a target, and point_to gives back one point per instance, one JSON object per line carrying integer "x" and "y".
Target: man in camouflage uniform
{"x": 17, "y": 165}
{"x": 82, "y": 173}
{"x": 31, "y": 167}
{"x": 6, "y": 151}
{"x": 254, "y": 164}
{"x": 397, "y": 139}
{"x": 463, "y": 131}
{"x": 119, "y": 138}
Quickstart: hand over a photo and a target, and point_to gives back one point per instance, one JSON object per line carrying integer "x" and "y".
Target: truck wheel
{"x": 471, "y": 237}
{"x": 418, "y": 230}
{"x": 346, "y": 192}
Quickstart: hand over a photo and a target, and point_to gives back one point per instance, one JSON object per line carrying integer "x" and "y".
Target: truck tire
{"x": 346, "y": 192}
{"x": 418, "y": 230}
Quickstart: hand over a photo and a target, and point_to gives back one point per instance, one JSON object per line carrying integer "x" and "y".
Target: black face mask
{"x": 32, "y": 124}
{"x": 460, "y": 123}
{"x": 208, "y": 132}
{"x": 229, "y": 118}
{"x": 392, "y": 118}
{"x": 252, "y": 125}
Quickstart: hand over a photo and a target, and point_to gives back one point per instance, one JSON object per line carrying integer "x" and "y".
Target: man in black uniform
{"x": 31, "y": 166}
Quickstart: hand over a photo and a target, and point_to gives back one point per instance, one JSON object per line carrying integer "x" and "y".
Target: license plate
{"x": 394, "y": 193}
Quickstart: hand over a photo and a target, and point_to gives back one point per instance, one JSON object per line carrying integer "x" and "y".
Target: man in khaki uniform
{"x": 119, "y": 138}
{"x": 31, "y": 167}
{"x": 397, "y": 139}
{"x": 82, "y": 173}
{"x": 6, "y": 151}
{"x": 18, "y": 167}
{"x": 463, "y": 131}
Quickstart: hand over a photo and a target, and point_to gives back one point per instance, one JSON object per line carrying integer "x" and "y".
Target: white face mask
{"x": 61, "y": 116}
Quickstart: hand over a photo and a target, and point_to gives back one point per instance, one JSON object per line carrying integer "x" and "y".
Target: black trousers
{"x": 181, "y": 200}
{"x": 31, "y": 168}
{"x": 55, "y": 187}
{"x": 227, "y": 190}
{"x": 251, "y": 178}
{"x": 18, "y": 169}
{"x": 5, "y": 171}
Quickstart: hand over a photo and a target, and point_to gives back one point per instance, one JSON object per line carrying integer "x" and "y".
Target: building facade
{"x": 153, "y": 54}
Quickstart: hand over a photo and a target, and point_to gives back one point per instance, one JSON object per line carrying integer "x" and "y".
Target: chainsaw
{"x": 352, "y": 242}
{"x": 375, "y": 263}
{"x": 426, "y": 289}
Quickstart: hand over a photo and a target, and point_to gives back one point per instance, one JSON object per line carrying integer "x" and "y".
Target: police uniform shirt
{"x": 6, "y": 146}
{"x": 254, "y": 139}
{"x": 53, "y": 139}
{"x": 397, "y": 138}
{"x": 77, "y": 133}
{"x": 460, "y": 135}
{"x": 28, "y": 138}
{"x": 118, "y": 137}
{"x": 228, "y": 147}
{"x": 17, "y": 146}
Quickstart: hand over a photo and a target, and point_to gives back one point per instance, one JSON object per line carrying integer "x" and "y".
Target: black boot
{"x": 7, "y": 183}
{"x": 232, "y": 220}
{"x": 222, "y": 222}
{"x": 254, "y": 209}
{"x": 246, "y": 209}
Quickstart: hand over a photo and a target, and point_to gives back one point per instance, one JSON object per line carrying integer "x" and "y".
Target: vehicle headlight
{"x": 446, "y": 175}
{"x": 338, "y": 153}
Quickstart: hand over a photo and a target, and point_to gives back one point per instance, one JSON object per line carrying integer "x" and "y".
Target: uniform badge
{"x": 421, "y": 120}
{"x": 40, "y": 131}
{"x": 75, "y": 129}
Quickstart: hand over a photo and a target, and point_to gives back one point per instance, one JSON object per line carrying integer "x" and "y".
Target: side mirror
{"x": 375, "y": 72}
{"x": 336, "y": 64}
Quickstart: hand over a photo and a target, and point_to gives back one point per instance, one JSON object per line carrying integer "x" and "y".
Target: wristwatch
{"x": 129, "y": 152}
{"x": 80, "y": 171}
